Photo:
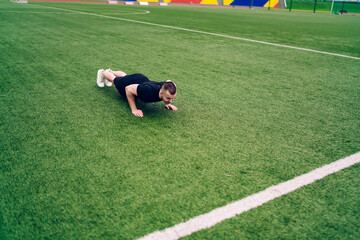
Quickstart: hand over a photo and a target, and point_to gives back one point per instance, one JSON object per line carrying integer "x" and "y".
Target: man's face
{"x": 168, "y": 98}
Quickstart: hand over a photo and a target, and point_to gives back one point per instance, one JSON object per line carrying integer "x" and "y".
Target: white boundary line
{"x": 117, "y": 13}
{"x": 220, "y": 214}
{"x": 208, "y": 33}
{"x": 27, "y": 12}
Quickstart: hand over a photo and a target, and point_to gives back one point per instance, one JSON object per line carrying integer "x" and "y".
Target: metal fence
{"x": 335, "y": 7}
{"x": 327, "y": 6}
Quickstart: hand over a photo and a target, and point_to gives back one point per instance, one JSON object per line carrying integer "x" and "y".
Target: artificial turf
{"x": 323, "y": 210}
{"x": 75, "y": 163}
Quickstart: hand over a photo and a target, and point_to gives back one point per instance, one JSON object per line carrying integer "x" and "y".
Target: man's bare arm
{"x": 131, "y": 93}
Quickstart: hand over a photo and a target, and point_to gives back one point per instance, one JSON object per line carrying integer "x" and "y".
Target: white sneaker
{"x": 107, "y": 82}
{"x": 100, "y": 78}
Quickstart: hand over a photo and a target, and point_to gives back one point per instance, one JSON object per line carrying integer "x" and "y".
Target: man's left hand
{"x": 172, "y": 107}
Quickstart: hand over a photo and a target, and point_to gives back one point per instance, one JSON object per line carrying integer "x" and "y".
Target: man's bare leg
{"x": 118, "y": 73}
{"x": 111, "y": 75}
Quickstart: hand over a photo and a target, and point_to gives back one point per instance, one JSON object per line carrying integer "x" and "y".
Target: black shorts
{"x": 122, "y": 82}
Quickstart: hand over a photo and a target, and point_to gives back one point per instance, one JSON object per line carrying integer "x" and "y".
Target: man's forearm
{"x": 130, "y": 95}
{"x": 131, "y": 100}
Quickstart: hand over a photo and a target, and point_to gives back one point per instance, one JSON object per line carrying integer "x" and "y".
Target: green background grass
{"x": 75, "y": 163}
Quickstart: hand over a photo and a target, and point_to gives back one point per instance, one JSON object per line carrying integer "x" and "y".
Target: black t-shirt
{"x": 149, "y": 91}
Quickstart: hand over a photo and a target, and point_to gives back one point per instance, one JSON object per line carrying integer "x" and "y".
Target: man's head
{"x": 168, "y": 92}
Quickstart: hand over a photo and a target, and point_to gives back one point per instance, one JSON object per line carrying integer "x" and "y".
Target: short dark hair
{"x": 169, "y": 86}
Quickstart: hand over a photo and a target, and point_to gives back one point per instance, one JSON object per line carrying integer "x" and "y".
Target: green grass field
{"x": 76, "y": 164}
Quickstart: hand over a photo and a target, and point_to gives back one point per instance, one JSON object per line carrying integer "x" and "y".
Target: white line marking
{"x": 220, "y": 214}
{"x": 208, "y": 33}
{"x": 22, "y": 12}
{"x": 117, "y": 13}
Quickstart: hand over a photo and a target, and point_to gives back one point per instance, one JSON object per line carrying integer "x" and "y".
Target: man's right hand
{"x": 138, "y": 113}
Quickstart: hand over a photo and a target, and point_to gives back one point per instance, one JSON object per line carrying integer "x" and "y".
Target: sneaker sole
{"x": 108, "y": 83}
{"x": 99, "y": 80}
